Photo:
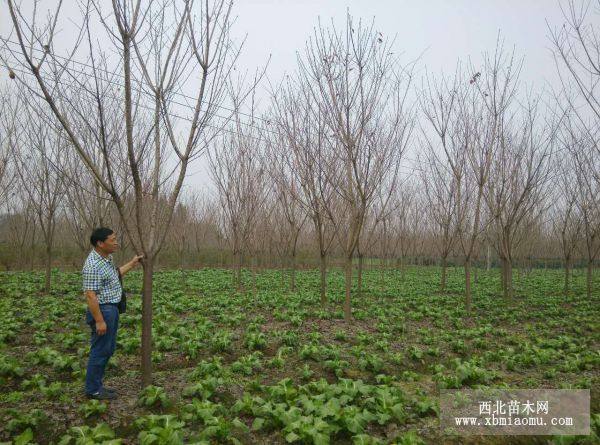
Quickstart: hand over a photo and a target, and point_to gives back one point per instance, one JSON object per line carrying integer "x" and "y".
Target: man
{"x": 103, "y": 290}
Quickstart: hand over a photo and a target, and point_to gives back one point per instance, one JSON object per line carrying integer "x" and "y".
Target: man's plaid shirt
{"x": 100, "y": 275}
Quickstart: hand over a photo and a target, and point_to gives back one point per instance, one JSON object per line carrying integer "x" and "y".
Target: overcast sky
{"x": 439, "y": 31}
{"x": 442, "y": 30}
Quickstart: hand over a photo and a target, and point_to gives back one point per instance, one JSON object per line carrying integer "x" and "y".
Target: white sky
{"x": 442, "y": 31}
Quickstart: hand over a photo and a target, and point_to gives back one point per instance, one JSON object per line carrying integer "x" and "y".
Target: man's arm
{"x": 130, "y": 265}
{"x": 92, "y": 302}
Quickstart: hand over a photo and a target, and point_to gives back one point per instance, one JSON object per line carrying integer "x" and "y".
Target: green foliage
{"x": 84, "y": 435}
{"x": 279, "y": 360}
{"x": 247, "y": 364}
{"x": 203, "y": 389}
{"x": 371, "y": 362}
{"x": 154, "y": 396}
{"x": 408, "y": 438}
{"x": 53, "y": 391}
{"x": 315, "y": 412}
{"x": 225, "y": 350}
{"x": 214, "y": 424}
{"x": 24, "y": 438}
{"x": 9, "y": 367}
{"x": 36, "y": 381}
{"x": 221, "y": 341}
{"x": 159, "y": 430}
{"x": 255, "y": 341}
{"x": 465, "y": 374}
{"x": 20, "y": 421}
{"x": 92, "y": 408}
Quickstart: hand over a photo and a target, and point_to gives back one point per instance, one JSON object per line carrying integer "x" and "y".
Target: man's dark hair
{"x": 100, "y": 234}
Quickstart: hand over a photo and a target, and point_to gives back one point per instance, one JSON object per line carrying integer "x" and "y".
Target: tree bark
{"x": 360, "y": 274}
{"x": 508, "y": 278}
{"x": 253, "y": 263}
{"x": 589, "y": 278}
{"x": 148, "y": 273}
{"x": 48, "y": 268}
{"x": 468, "y": 286}
{"x": 293, "y": 275}
{"x": 347, "y": 302}
{"x": 238, "y": 271}
{"x": 444, "y": 274}
{"x": 567, "y": 276}
{"x": 32, "y": 250}
{"x": 323, "y": 267}
{"x": 503, "y": 274}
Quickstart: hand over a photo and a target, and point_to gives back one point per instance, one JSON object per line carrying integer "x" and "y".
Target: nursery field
{"x": 277, "y": 367}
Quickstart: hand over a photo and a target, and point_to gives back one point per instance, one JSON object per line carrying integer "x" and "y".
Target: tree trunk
{"x": 508, "y": 279}
{"x": 567, "y": 276}
{"x": 48, "y": 268}
{"x": 360, "y": 274}
{"x": 238, "y": 271}
{"x": 253, "y": 263}
{"x": 511, "y": 288}
{"x": 293, "y": 275}
{"x": 347, "y": 302}
{"x": 32, "y": 250}
{"x": 444, "y": 273}
{"x": 589, "y": 278}
{"x": 148, "y": 273}
{"x": 468, "y": 286}
{"x": 323, "y": 267}
{"x": 489, "y": 258}
{"x": 503, "y": 274}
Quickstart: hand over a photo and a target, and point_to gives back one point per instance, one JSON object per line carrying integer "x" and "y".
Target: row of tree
{"x": 109, "y": 140}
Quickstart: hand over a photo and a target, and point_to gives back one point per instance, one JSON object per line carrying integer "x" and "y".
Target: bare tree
{"x": 405, "y": 205}
{"x": 587, "y": 174}
{"x": 37, "y": 150}
{"x": 287, "y": 206}
{"x": 162, "y": 48}
{"x": 440, "y": 187}
{"x": 566, "y": 220}
{"x": 18, "y": 231}
{"x": 306, "y": 150}
{"x": 380, "y": 211}
{"x": 576, "y": 49}
{"x": 354, "y": 79}
{"x": 87, "y": 205}
{"x": 238, "y": 170}
{"x": 8, "y": 117}
{"x": 517, "y": 183}
{"x": 466, "y": 118}
{"x": 204, "y": 231}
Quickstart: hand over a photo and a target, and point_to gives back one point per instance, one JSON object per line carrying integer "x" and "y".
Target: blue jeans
{"x": 102, "y": 347}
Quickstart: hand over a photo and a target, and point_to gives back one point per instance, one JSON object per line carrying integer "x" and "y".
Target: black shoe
{"x": 102, "y": 395}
